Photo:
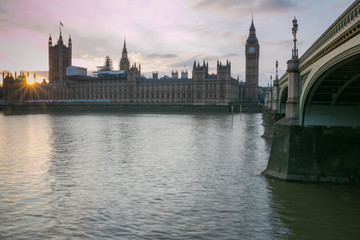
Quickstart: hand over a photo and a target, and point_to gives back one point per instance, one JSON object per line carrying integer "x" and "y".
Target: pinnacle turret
{"x": 50, "y": 40}
{"x": 124, "y": 51}
{"x": 252, "y": 33}
{"x": 252, "y": 29}
{"x": 69, "y": 43}
{"x": 60, "y": 41}
{"x": 124, "y": 61}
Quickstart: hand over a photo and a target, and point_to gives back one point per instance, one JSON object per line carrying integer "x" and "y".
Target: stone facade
{"x": 124, "y": 86}
{"x": 59, "y": 60}
{"x": 252, "y": 52}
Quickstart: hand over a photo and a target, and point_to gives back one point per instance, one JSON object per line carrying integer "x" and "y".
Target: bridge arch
{"x": 331, "y": 97}
{"x": 283, "y": 98}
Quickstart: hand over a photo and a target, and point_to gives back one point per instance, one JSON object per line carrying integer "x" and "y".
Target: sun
{"x": 30, "y": 80}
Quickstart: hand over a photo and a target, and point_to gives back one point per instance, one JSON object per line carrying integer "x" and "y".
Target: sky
{"x": 161, "y": 35}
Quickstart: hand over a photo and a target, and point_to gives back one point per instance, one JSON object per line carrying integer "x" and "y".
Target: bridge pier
{"x": 271, "y": 114}
{"x": 314, "y": 153}
{"x": 318, "y": 140}
{"x": 292, "y": 104}
{"x": 269, "y": 118}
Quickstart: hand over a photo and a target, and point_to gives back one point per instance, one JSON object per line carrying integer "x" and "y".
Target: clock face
{"x": 251, "y": 49}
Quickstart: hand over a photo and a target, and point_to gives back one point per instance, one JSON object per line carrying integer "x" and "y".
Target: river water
{"x": 157, "y": 176}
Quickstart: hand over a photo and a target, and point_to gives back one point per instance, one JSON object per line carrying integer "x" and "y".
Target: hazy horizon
{"x": 161, "y": 35}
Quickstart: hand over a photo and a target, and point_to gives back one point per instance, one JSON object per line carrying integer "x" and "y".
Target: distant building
{"x": 174, "y": 74}
{"x": 17, "y": 90}
{"x": 124, "y": 62}
{"x": 76, "y": 71}
{"x": 59, "y": 59}
{"x": 184, "y": 74}
{"x": 72, "y": 84}
{"x": 252, "y": 50}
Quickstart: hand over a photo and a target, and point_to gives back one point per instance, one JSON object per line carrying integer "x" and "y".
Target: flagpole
{"x": 61, "y": 24}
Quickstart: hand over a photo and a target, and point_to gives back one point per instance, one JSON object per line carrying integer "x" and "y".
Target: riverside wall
{"x": 37, "y": 108}
{"x": 269, "y": 119}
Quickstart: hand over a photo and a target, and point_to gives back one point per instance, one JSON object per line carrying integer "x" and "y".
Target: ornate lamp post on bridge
{"x": 292, "y": 104}
{"x": 270, "y": 92}
{"x": 294, "y": 31}
{"x": 276, "y": 90}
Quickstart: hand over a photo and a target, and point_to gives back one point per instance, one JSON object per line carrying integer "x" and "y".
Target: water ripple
{"x": 155, "y": 176}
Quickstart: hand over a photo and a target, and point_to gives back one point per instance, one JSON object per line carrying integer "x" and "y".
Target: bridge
{"x": 319, "y": 95}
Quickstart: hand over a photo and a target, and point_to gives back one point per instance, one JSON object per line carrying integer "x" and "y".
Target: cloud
{"x": 227, "y": 55}
{"x": 225, "y": 34}
{"x": 232, "y": 9}
{"x": 89, "y": 47}
{"x": 157, "y": 56}
{"x": 278, "y": 6}
{"x": 25, "y": 14}
{"x": 226, "y": 8}
{"x": 204, "y": 33}
{"x": 209, "y": 58}
{"x": 187, "y": 64}
{"x": 340, "y": 4}
{"x": 279, "y": 42}
{"x": 241, "y": 40}
{"x": 161, "y": 35}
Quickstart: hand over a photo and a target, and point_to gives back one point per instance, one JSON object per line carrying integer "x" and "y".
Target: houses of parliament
{"x": 69, "y": 83}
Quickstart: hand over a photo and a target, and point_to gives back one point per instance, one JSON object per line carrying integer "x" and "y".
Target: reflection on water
{"x": 156, "y": 176}
{"x": 317, "y": 211}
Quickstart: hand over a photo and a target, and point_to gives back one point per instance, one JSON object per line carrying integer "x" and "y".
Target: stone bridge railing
{"x": 343, "y": 29}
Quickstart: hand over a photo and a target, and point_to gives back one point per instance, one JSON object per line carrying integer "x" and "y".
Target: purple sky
{"x": 162, "y": 35}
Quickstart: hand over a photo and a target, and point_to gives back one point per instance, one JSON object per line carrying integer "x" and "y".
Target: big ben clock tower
{"x": 252, "y": 49}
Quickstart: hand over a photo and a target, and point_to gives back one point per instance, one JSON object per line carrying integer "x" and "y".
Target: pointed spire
{"x": 50, "y": 40}
{"x": 60, "y": 29}
{"x": 60, "y": 38}
{"x": 124, "y": 51}
{"x": 252, "y": 33}
{"x": 69, "y": 43}
{"x": 252, "y": 27}
{"x": 60, "y": 41}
